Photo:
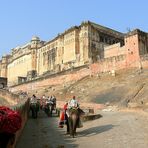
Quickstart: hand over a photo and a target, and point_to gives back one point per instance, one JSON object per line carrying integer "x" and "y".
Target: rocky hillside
{"x": 127, "y": 88}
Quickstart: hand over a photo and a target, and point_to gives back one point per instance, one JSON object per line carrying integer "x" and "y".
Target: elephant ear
{"x": 80, "y": 124}
{"x": 81, "y": 112}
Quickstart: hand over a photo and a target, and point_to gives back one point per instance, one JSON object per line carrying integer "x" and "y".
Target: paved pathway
{"x": 113, "y": 130}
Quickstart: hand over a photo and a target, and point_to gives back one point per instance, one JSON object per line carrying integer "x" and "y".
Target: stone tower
{"x": 132, "y": 48}
{"x": 35, "y": 44}
{"x": 4, "y": 63}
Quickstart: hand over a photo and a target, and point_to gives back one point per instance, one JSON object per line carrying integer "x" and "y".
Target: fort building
{"x": 79, "y": 45}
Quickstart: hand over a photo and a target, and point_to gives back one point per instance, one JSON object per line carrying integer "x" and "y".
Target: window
{"x": 62, "y": 50}
{"x": 44, "y": 58}
{"x": 101, "y": 39}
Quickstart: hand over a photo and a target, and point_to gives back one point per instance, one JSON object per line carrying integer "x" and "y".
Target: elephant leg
{"x": 67, "y": 124}
{"x": 70, "y": 125}
{"x": 47, "y": 110}
{"x": 68, "y": 128}
{"x": 74, "y": 127}
{"x": 50, "y": 110}
{"x": 75, "y": 123}
{"x": 36, "y": 113}
{"x": 32, "y": 112}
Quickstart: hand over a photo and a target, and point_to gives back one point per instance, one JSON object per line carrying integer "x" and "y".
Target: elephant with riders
{"x": 71, "y": 116}
{"x": 34, "y": 106}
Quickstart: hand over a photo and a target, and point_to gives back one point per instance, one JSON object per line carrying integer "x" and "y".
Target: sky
{"x": 22, "y": 19}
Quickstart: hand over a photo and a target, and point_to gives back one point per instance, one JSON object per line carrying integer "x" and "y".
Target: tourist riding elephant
{"x": 34, "y": 107}
{"x": 74, "y": 120}
{"x": 49, "y": 107}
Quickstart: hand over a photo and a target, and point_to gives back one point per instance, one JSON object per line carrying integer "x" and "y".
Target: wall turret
{"x": 35, "y": 44}
{"x": 3, "y": 67}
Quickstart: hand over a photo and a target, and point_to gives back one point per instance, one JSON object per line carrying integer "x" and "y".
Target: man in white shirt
{"x": 73, "y": 103}
{"x": 33, "y": 99}
{"x": 34, "y": 106}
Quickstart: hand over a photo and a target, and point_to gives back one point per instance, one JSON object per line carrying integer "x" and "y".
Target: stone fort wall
{"x": 99, "y": 47}
{"x": 77, "y": 46}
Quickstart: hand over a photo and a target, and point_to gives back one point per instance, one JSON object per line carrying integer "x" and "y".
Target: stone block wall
{"x": 144, "y": 60}
{"x": 108, "y": 64}
{"x": 114, "y": 50}
{"x": 54, "y": 80}
{"x": 104, "y": 65}
{"x": 24, "y": 115}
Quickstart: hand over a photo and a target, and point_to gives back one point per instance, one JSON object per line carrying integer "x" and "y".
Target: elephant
{"x": 49, "y": 107}
{"x": 74, "y": 120}
{"x": 34, "y": 107}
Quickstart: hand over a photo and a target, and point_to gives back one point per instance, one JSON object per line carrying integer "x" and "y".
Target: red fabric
{"x": 62, "y": 117}
{"x": 65, "y": 106}
{"x": 10, "y": 121}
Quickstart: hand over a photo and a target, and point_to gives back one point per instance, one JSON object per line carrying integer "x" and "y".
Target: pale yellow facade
{"x": 19, "y": 68}
{"x": 77, "y": 46}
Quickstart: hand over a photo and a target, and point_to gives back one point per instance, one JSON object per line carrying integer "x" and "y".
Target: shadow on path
{"x": 95, "y": 130}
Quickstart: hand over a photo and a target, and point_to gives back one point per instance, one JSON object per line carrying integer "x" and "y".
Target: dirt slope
{"x": 127, "y": 88}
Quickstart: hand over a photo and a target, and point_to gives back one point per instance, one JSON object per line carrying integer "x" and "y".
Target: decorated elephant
{"x": 49, "y": 107}
{"x": 34, "y": 107}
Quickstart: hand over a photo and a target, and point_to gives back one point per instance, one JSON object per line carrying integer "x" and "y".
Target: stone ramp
{"x": 43, "y": 132}
{"x": 113, "y": 130}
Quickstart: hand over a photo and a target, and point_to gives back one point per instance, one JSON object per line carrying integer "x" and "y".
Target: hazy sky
{"x": 22, "y": 19}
